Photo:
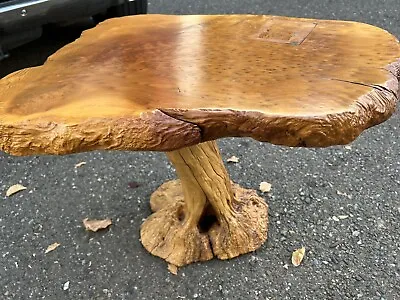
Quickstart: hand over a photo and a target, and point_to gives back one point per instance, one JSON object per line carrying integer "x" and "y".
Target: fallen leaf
{"x": 341, "y": 194}
{"x": 344, "y": 194}
{"x": 233, "y": 159}
{"x": 297, "y": 256}
{"x": 15, "y": 189}
{"x": 265, "y": 187}
{"x": 133, "y": 184}
{"x": 82, "y": 163}
{"x": 52, "y": 247}
{"x": 95, "y": 225}
{"x": 173, "y": 269}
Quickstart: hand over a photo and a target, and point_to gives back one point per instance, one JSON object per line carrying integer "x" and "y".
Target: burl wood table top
{"x": 159, "y": 82}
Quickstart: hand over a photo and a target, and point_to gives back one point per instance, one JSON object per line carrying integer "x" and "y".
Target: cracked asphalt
{"x": 341, "y": 203}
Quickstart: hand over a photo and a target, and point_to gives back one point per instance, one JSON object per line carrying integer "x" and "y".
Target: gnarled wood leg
{"x": 203, "y": 214}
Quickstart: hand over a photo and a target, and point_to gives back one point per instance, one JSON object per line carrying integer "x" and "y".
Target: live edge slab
{"x": 178, "y": 83}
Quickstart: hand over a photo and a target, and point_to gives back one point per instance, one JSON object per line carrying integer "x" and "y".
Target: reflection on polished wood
{"x": 156, "y": 82}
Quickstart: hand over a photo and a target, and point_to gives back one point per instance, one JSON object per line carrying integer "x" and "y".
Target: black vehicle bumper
{"x": 21, "y": 15}
{"x": 22, "y": 21}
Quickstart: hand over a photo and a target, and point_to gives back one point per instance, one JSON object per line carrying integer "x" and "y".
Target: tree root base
{"x": 169, "y": 235}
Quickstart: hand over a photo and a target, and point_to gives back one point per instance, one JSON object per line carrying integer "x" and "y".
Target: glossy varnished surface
{"x": 218, "y": 75}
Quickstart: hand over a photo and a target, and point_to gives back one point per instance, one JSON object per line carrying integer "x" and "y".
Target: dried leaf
{"x": 297, "y": 256}
{"x": 341, "y": 193}
{"x": 15, "y": 189}
{"x": 265, "y": 187}
{"x": 78, "y": 165}
{"x": 233, "y": 159}
{"x": 52, "y": 247}
{"x": 95, "y": 225}
{"x": 133, "y": 184}
{"x": 173, "y": 269}
{"x": 344, "y": 194}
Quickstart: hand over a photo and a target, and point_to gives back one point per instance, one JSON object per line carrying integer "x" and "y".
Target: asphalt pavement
{"x": 341, "y": 203}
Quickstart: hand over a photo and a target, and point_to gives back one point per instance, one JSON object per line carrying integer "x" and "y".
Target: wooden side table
{"x": 178, "y": 83}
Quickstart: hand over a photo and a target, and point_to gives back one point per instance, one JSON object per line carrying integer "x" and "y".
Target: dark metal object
{"x": 21, "y": 21}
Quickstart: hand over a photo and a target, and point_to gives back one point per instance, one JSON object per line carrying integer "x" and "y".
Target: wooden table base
{"x": 203, "y": 214}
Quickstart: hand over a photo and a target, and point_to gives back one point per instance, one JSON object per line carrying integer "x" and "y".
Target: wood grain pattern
{"x": 156, "y": 82}
{"x": 203, "y": 214}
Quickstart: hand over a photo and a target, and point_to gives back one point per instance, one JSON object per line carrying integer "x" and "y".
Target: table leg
{"x": 203, "y": 214}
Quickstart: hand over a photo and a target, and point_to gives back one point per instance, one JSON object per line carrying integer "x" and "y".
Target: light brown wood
{"x": 157, "y": 82}
{"x": 203, "y": 214}
{"x": 168, "y": 83}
